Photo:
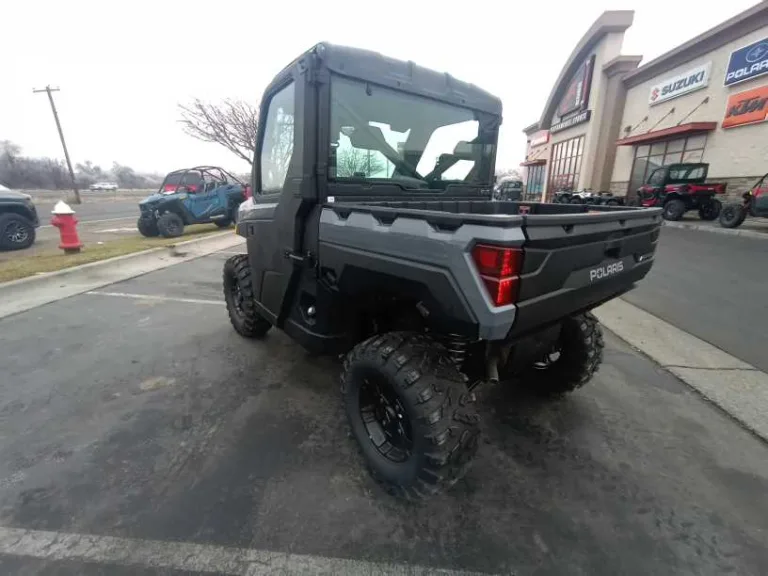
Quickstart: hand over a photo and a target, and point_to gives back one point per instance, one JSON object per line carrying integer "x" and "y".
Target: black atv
{"x": 196, "y": 195}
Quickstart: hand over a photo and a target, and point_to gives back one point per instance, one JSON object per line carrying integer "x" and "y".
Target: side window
{"x": 277, "y": 148}
{"x": 695, "y": 173}
{"x": 657, "y": 178}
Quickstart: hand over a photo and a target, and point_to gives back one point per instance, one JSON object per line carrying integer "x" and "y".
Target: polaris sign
{"x": 689, "y": 81}
{"x": 747, "y": 63}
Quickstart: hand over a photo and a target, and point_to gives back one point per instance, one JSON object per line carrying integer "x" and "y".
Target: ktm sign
{"x": 747, "y": 107}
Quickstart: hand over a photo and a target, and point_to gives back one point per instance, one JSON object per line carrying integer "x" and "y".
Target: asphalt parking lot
{"x": 712, "y": 286}
{"x": 140, "y": 435}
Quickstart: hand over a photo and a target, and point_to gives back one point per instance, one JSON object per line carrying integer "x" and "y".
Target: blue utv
{"x": 196, "y": 195}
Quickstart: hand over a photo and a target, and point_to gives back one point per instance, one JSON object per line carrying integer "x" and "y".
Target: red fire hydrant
{"x": 64, "y": 219}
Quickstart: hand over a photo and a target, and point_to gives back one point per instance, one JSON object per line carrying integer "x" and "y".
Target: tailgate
{"x": 574, "y": 262}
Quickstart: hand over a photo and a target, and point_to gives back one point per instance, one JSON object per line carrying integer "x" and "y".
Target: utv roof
{"x": 205, "y": 170}
{"x": 400, "y": 75}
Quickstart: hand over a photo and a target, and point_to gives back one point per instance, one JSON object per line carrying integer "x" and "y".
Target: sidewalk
{"x": 752, "y": 227}
{"x": 101, "y": 240}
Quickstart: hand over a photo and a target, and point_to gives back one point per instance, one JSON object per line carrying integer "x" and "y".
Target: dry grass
{"x": 57, "y": 260}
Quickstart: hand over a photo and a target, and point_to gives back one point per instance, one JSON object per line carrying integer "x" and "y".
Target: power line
{"x": 48, "y": 90}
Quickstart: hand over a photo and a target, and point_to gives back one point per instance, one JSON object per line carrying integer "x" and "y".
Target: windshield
{"x": 383, "y": 134}
{"x": 191, "y": 179}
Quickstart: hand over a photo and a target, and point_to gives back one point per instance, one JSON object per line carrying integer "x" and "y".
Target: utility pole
{"x": 50, "y": 91}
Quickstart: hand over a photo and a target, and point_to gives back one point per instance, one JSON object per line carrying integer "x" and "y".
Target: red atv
{"x": 755, "y": 204}
{"x": 681, "y": 187}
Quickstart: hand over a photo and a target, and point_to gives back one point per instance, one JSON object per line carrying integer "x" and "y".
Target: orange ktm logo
{"x": 747, "y": 107}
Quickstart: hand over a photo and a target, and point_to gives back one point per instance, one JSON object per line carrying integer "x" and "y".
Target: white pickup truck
{"x": 103, "y": 186}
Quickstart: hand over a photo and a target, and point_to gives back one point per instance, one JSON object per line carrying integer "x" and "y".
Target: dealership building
{"x": 609, "y": 121}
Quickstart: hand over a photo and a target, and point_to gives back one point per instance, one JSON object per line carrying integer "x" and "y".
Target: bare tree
{"x": 232, "y": 123}
{"x": 353, "y": 161}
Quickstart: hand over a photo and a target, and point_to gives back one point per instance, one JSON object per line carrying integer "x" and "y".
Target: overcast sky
{"x": 123, "y": 66}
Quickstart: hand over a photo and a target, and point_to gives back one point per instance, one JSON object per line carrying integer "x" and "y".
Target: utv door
{"x": 276, "y": 231}
{"x": 205, "y": 202}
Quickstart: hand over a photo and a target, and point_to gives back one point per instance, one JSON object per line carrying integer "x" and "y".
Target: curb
{"x": 26, "y": 293}
{"x": 737, "y": 388}
{"x": 717, "y": 229}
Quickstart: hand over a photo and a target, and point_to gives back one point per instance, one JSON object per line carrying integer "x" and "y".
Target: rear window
{"x": 686, "y": 173}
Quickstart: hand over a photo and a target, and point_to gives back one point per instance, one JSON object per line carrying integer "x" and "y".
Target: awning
{"x": 536, "y": 162}
{"x": 666, "y": 133}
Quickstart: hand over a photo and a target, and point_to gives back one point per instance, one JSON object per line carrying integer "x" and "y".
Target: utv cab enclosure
{"x": 679, "y": 188}
{"x": 374, "y": 235}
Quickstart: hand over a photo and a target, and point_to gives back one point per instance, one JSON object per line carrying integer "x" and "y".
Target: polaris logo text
{"x": 605, "y": 271}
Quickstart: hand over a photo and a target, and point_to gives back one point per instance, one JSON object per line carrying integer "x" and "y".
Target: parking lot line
{"x": 153, "y": 297}
{"x": 188, "y": 557}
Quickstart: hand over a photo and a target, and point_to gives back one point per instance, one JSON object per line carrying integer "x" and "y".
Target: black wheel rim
{"x": 385, "y": 420}
{"x": 16, "y": 233}
{"x": 173, "y": 227}
{"x": 236, "y": 295}
{"x": 729, "y": 214}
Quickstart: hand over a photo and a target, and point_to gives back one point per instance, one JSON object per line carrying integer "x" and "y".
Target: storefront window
{"x": 693, "y": 156}
{"x": 673, "y": 158}
{"x": 648, "y": 158}
{"x": 535, "y": 183}
{"x": 566, "y": 166}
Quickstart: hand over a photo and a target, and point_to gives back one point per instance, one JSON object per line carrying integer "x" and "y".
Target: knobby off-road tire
{"x": 673, "y": 210}
{"x": 431, "y": 397}
{"x": 148, "y": 227}
{"x": 238, "y": 293}
{"x": 711, "y": 210}
{"x": 170, "y": 225}
{"x": 16, "y": 232}
{"x": 580, "y": 355}
{"x": 733, "y": 215}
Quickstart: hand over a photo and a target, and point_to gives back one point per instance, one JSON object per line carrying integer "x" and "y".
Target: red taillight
{"x": 499, "y": 268}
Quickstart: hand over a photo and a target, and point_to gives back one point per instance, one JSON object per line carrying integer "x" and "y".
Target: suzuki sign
{"x": 689, "y": 81}
{"x": 748, "y": 62}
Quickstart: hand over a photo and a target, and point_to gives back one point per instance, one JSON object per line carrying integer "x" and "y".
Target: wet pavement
{"x": 151, "y": 421}
{"x": 712, "y": 286}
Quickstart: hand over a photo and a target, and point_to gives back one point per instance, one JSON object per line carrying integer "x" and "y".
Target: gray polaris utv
{"x": 373, "y": 235}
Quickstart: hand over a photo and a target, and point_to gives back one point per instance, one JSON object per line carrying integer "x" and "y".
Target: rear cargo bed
{"x": 574, "y": 256}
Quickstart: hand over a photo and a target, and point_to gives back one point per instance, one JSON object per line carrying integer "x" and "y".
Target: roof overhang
{"x": 532, "y": 128}
{"x": 537, "y": 162}
{"x": 666, "y": 133}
